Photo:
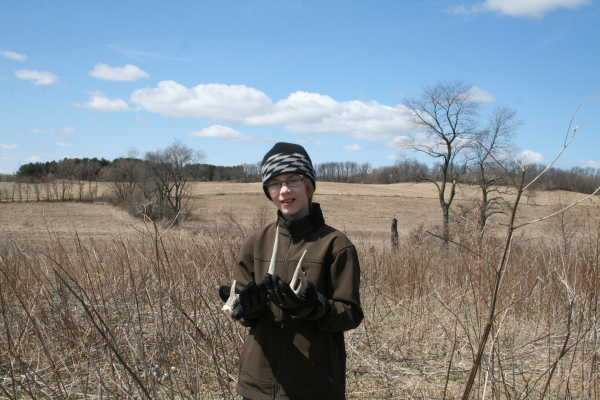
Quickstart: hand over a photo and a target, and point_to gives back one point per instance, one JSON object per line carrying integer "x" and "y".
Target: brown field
{"x": 96, "y": 303}
{"x": 350, "y": 208}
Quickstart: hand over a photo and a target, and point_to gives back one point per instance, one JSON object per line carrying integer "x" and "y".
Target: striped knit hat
{"x": 286, "y": 158}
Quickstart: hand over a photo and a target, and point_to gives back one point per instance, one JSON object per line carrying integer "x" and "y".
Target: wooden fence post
{"x": 394, "y": 233}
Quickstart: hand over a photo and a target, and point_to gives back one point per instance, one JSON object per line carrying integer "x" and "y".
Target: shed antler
{"x": 298, "y": 283}
{"x": 299, "y": 275}
{"x": 232, "y": 301}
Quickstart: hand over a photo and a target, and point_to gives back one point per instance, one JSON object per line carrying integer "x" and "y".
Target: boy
{"x": 295, "y": 346}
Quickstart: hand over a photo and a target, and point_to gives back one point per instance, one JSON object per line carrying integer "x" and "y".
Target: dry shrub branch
{"x": 138, "y": 317}
{"x": 131, "y": 317}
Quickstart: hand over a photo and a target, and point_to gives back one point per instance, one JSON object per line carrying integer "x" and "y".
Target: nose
{"x": 284, "y": 188}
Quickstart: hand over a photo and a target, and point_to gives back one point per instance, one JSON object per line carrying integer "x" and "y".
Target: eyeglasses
{"x": 276, "y": 185}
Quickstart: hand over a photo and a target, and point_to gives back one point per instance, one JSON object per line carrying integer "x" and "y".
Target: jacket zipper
{"x": 280, "y": 314}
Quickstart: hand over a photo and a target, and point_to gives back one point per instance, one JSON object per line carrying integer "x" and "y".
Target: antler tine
{"x": 299, "y": 274}
{"x": 232, "y": 301}
{"x": 274, "y": 256}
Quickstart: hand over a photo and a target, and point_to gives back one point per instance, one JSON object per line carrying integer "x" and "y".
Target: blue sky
{"x": 231, "y": 78}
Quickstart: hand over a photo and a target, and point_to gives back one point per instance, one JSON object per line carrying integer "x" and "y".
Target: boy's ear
{"x": 310, "y": 191}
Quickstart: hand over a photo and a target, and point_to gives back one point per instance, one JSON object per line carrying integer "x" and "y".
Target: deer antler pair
{"x": 298, "y": 282}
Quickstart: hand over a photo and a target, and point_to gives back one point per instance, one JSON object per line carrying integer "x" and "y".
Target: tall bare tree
{"x": 125, "y": 176}
{"x": 491, "y": 147}
{"x": 168, "y": 171}
{"x": 446, "y": 116}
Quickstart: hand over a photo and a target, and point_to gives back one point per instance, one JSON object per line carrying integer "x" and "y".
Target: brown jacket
{"x": 294, "y": 358}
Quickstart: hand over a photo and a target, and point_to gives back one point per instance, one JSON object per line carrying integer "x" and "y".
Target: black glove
{"x": 310, "y": 305}
{"x": 253, "y": 299}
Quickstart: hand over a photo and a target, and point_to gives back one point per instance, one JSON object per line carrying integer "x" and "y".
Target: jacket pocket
{"x": 304, "y": 355}
{"x": 258, "y": 353}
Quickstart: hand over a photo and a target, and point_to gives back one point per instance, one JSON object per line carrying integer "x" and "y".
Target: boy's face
{"x": 291, "y": 201}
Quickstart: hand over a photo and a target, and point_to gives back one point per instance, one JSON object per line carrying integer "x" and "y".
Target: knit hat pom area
{"x": 287, "y": 158}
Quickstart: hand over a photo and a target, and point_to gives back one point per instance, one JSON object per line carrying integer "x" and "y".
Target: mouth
{"x": 287, "y": 202}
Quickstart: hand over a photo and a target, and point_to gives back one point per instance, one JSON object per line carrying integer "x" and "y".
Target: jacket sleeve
{"x": 244, "y": 270}
{"x": 343, "y": 292}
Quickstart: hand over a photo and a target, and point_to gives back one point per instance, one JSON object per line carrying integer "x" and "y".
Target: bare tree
{"x": 493, "y": 142}
{"x": 91, "y": 171}
{"x": 64, "y": 174}
{"x": 521, "y": 187}
{"x": 169, "y": 173}
{"x": 124, "y": 176}
{"x": 447, "y": 116}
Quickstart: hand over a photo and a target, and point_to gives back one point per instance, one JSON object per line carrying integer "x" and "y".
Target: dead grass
{"x": 351, "y": 208}
{"x": 96, "y": 302}
{"x": 113, "y": 315}
{"x": 423, "y": 190}
{"x": 90, "y": 219}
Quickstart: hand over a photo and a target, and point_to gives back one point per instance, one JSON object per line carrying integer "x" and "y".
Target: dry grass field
{"x": 351, "y": 208}
{"x": 98, "y": 304}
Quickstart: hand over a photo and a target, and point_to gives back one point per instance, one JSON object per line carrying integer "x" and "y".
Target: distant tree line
{"x": 576, "y": 179}
{"x": 102, "y": 170}
{"x": 352, "y": 172}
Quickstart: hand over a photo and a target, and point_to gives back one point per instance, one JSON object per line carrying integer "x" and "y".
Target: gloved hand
{"x": 310, "y": 305}
{"x": 253, "y": 299}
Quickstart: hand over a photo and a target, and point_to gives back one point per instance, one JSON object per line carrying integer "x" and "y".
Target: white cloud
{"x": 233, "y": 103}
{"x": 39, "y": 77}
{"x": 352, "y": 147}
{"x": 519, "y": 8}
{"x": 104, "y": 121}
{"x": 459, "y": 9}
{"x": 592, "y": 164}
{"x": 127, "y": 73}
{"x": 8, "y": 146}
{"x": 32, "y": 159}
{"x": 6, "y": 157}
{"x": 35, "y": 130}
{"x": 530, "y": 157}
{"x": 61, "y": 138}
{"x": 13, "y": 55}
{"x": 480, "y": 95}
{"x": 300, "y": 112}
{"x": 99, "y": 101}
{"x": 393, "y": 157}
{"x": 593, "y": 97}
{"x": 400, "y": 141}
{"x": 228, "y": 134}
{"x": 140, "y": 54}
{"x": 531, "y": 8}
{"x": 2, "y": 78}
{"x": 422, "y": 142}
{"x": 307, "y": 140}
{"x": 140, "y": 120}
{"x": 63, "y": 144}
{"x": 66, "y": 129}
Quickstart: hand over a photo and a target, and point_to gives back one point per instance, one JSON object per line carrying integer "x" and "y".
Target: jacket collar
{"x": 302, "y": 226}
